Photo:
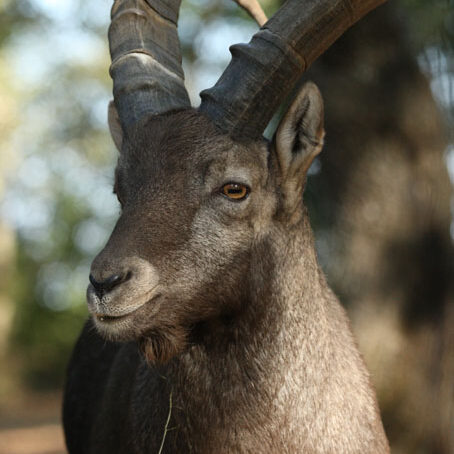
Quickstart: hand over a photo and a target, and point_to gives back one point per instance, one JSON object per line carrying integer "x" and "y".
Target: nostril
{"x": 112, "y": 281}
{"x": 94, "y": 282}
{"x": 108, "y": 284}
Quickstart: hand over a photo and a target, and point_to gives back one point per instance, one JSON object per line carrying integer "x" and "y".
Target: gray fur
{"x": 244, "y": 348}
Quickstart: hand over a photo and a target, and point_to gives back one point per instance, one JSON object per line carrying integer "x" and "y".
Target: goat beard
{"x": 161, "y": 346}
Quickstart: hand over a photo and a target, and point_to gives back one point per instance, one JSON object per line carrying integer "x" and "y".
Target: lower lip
{"x": 110, "y": 319}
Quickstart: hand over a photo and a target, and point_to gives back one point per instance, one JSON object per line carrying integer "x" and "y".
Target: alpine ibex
{"x": 215, "y": 329}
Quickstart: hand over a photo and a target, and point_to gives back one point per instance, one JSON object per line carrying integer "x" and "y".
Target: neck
{"x": 283, "y": 375}
{"x": 246, "y": 368}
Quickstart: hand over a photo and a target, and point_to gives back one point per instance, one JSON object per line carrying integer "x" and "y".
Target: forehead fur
{"x": 174, "y": 135}
{"x": 169, "y": 138}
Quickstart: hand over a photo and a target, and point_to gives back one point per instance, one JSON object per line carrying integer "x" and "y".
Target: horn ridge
{"x": 262, "y": 74}
{"x": 165, "y": 10}
{"x": 146, "y": 59}
{"x": 276, "y": 63}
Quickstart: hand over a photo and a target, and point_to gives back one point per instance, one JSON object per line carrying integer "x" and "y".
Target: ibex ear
{"x": 114, "y": 125}
{"x": 299, "y": 139}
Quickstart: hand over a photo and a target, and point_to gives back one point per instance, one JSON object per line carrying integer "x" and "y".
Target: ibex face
{"x": 194, "y": 201}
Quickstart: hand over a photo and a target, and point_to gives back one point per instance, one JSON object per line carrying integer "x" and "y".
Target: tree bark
{"x": 382, "y": 204}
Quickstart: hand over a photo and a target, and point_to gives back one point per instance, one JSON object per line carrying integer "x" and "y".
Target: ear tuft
{"x": 310, "y": 113}
{"x": 299, "y": 139}
{"x": 115, "y": 128}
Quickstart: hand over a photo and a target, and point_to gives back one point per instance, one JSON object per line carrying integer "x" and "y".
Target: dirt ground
{"x": 31, "y": 425}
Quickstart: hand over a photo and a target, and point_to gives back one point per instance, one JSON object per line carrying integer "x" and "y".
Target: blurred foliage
{"x": 60, "y": 191}
{"x": 430, "y": 23}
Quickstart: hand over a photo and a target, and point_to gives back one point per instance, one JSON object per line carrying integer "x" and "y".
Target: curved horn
{"x": 262, "y": 73}
{"x": 146, "y": 59}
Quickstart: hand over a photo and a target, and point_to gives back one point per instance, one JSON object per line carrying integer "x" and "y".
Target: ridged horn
{"x": 146, "y": 59}
{"x": 262, "y": 73}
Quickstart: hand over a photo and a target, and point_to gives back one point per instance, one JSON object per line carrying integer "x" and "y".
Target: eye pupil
{"x": 235, "y": 191}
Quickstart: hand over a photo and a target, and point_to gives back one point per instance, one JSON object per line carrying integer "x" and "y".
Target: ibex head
{"x": 199, "y": 187}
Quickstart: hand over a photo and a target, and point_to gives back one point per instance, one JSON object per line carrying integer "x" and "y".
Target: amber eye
{"x": 235, "y": 191}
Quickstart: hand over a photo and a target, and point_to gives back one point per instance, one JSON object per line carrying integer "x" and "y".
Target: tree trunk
{"x": 382, "y": 206}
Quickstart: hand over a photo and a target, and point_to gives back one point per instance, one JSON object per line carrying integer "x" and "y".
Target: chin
{"x": 158, "y": 344}
{"x": 116, "y": 329}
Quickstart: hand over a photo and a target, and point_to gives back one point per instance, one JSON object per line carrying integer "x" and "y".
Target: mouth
{"x": 110, "y": 319}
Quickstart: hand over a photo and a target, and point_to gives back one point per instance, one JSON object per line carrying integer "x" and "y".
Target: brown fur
{"x": 161, "y": 346}
{"x": 247, "y": 348}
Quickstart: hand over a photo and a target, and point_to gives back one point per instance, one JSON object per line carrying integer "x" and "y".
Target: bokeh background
{"x": 380, "y": 197}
